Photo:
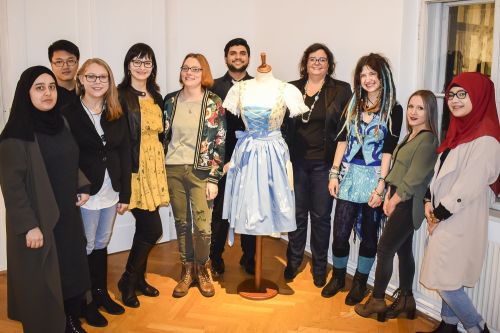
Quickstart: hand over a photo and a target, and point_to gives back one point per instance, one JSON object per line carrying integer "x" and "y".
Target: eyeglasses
{"x": 137, "y": 63}
{"x": 93, "y": 78}
{"x": 461, "y": 94}
{"x": 185, "y": 69}
{"x": 321, "y": 60}
{"x": 60, "y": 62}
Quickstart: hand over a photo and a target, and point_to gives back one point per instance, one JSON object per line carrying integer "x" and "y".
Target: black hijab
{"x": 25, "y": 119}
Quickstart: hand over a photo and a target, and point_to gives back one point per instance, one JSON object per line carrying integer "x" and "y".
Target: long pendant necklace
{"x": 306, "y": 119}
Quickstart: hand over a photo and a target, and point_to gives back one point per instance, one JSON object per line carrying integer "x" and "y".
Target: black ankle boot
{"x": 358, "y": 289}
{"x": 444, "y": 328}
{"x": 336, "y": 283}
{"x": 73, "y": 325}
{"x": 98, "y": 266}
{"x": 92, "y": 315}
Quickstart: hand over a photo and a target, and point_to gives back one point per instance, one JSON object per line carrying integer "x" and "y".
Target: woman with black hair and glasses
{"x": 141, "y": 102}
{"x": 100, "y": 129}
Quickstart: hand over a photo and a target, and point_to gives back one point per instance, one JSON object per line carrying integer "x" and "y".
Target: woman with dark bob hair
{"x": 312, "y": 143}
{"x": 141, "y": 102}
{"x": 357, "y": 179}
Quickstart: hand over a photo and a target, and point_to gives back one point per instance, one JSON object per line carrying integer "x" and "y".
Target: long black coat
{"x": 34, "y": 289}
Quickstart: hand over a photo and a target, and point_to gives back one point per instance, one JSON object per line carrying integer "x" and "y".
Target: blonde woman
{"x": 100, "y": 129}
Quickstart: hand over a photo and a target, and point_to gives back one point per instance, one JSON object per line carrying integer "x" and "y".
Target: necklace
{"x": 98, "y": 118}
{"x": 306, "y": 119}
{"x": 374, "y": 105}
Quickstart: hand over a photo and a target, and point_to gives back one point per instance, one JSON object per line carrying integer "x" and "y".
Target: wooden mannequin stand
{"x": 258, "y": 288}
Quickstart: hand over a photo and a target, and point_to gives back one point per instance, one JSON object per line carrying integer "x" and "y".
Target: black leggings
{"x": 397, "y": 237}
{"x": 148, "y": 227}
{"x": 347, "y": 214}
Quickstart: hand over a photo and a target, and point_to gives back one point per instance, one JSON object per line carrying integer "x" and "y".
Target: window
{"x": 460, "y": 37}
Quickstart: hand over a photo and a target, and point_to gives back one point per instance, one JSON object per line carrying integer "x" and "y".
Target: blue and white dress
{"x": 259, "y": 198}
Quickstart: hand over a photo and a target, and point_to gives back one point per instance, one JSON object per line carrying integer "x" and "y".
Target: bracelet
{"x": 379, "y": 194}
{"x": 381, "y": 179}
{"x": 333, "y": 175}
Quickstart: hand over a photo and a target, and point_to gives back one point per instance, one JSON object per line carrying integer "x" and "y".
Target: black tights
{"x": 397, "y": 237}
{"x": 148, "y": 227}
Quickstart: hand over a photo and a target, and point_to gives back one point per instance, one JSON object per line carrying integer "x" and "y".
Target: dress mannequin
{"x": 259, "y": 198}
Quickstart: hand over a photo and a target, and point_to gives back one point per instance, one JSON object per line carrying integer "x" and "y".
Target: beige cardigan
{"x": 455, "y": 251}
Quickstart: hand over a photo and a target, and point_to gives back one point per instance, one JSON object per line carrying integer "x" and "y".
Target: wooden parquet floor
{"x": 299, "y": 307}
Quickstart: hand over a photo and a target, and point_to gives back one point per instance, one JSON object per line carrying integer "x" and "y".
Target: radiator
{"x": 485, "y": 295}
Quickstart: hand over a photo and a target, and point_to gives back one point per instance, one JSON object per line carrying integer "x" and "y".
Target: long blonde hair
{"x": 113, "y": 107}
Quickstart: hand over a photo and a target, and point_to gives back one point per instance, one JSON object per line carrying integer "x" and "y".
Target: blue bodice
{"x": 371, "y": 141}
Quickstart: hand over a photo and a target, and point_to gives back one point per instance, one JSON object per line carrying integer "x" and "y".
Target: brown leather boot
{"x": 204, "y": 281}
{"x": 374, "y": 306}
{"x": 404, "y": 303}
{"x": 186, "y": 281}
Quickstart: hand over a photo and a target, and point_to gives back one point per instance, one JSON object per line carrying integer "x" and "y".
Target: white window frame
{"x": 433, "y": 29}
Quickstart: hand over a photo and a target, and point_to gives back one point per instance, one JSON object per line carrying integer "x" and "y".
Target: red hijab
{"x": 481, "y": 121}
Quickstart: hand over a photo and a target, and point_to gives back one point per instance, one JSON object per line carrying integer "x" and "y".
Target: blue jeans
{"x": 98, "y": 225}
{"x": 313, "y": 200}
{"x": 457, "y": 307}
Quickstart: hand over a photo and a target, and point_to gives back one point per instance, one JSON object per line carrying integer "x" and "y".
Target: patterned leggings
{"x": 366, "y": 222}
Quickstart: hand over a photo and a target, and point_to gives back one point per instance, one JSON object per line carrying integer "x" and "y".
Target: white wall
{"x": 283, "y": 29}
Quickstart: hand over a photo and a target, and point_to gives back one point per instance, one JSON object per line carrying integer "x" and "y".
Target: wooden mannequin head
{"x": 263, "y": 68}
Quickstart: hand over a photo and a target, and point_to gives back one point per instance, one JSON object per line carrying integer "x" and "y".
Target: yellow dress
{"x": 149, "y": 185}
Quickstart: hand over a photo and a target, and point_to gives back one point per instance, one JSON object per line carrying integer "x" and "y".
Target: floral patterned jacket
{"x": 211, "y": 139}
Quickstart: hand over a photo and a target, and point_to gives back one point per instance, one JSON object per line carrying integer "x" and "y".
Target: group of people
{"x": 255, "y": 156}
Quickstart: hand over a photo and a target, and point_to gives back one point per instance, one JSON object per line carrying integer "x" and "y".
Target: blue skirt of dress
{"x": 259, "y": 198}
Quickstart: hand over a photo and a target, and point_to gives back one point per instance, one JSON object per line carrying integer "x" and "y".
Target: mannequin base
{"x": 267, "y": 290}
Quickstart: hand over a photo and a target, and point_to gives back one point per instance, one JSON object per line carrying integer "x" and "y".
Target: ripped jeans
{"x": 192, "y": 212}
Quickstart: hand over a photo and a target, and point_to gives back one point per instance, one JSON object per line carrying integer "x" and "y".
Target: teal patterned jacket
{"x": 211, "y": 138}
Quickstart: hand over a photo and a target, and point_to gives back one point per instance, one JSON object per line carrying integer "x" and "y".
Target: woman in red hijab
{"x": 457, "y": 202}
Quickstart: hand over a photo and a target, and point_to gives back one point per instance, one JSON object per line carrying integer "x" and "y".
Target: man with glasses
{"x": 237, "y": 57}
{"x": 64, "y": 57}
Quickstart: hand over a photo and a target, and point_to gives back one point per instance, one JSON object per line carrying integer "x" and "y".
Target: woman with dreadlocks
{"x": 372, "y": 122}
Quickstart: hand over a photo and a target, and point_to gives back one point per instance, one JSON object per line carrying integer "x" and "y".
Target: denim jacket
{"x": 211, "y": 138}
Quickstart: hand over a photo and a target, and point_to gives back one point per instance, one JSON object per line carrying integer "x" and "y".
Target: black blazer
{"x": 96, "y": 157}
{"x": 337, "y": 95}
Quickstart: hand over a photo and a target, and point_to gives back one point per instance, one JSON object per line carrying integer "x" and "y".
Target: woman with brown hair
{"x": 408, "y": 179}
{"x": 196, "y": 132}
{"x": 357, "y": 178}
{"x": 100, "y": 129}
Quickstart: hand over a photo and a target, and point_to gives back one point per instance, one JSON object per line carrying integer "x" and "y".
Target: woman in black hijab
{"x": 42, "y": 189}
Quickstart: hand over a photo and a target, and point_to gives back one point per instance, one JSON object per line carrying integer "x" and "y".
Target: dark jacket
{"x": 95, "y": 156}
{"x": 129, "y": 100}
{"x": 337, "y": 94}
{"x": 233, "y": 123}
{"x": 210, "y": 141}
{"x": 34, "y": 284}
